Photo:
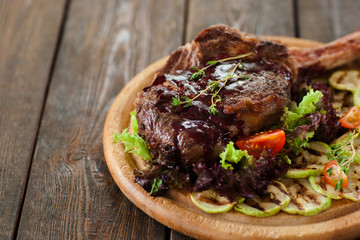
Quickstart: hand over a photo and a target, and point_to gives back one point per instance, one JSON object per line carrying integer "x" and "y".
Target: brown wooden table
{"x": 62, "y": 62}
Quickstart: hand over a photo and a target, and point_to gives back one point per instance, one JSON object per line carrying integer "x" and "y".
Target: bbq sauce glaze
{"x": 198, "y": 134}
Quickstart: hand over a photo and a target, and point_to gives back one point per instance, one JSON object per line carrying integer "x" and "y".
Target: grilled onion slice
{"x": 276, "y": 199}
{"x": 304, "y": 199}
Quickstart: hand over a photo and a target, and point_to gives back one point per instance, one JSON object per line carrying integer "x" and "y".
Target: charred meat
{"x": 248, "y": 103}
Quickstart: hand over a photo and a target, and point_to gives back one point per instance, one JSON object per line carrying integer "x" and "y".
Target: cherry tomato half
{"x": 264, "y": 143}
{"x": 334, "y": 175}
{"x": 351, "y": 118}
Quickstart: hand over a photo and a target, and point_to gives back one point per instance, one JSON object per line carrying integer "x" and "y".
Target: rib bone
{"x": 329, "y": 55}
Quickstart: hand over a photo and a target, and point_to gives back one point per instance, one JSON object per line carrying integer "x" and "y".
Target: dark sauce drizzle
{"x": 205, "y": 128}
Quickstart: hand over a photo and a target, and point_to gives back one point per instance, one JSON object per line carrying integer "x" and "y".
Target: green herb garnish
{"x": 156, "y": 185}
{"x": 232, "y": 156}
{"x": 201, "y": 71}
{"x": 213, "y": 86}
{"x": 133, "y": 142}
{"x": 344, "y": 157}
{"x": 293, "y": 117}
{"x": 134, "y": 122}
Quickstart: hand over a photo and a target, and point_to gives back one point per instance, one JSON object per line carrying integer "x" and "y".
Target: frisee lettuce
{"x": 232, "y": 156}
{"x": 293, "y": 118}
{"x": 133, "y": 142}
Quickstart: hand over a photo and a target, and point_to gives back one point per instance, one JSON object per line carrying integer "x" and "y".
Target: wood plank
{"x": 327, "y": 20}
{"x": 178, "y": 236}
{"x": 71, "y": 194}
{"x": 273, "y": 18}
{"x": 29, "y": 32}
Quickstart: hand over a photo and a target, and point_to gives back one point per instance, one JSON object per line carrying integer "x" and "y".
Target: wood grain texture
{"x": 327, "y": 20}
{"x": 179, "y": 236}
{"x": 253, "y": 16}
{"x": 71, "y": 194}
{"x": 29, "y": 32}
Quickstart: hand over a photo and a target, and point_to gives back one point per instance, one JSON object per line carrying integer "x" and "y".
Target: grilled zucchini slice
{"x": 209, "y": 201}
{"x": 356, "y": 95}
{"x": 311, "y": 161}
{"x": 302, "y": 173}
{"x": 276, "y": 199}
{"x": 304, "y": 199}
{"x": 352, "y": 191}
{"x": 345, "y": 80}
{"x": 338, "y": 101}
{"x": 320, "y": 185}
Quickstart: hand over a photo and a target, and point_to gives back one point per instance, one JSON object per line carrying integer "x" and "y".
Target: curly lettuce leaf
{"x": 290, "y": 118}
{"x": 232, "y": 156}
{"x": 303, "y": 120}
{"x": 307, "y": 105}
{"x": 293, "y": 118}
{"x": 330, "y": 124}
{"x": 134, "y": 122}
{"x": 301, "y": 142}
{"x": 133, "y": 142}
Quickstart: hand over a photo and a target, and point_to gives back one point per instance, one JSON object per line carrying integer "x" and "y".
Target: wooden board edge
{"x": 159, "y": 207}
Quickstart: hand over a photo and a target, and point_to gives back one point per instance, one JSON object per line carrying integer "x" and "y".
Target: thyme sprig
{"x": 187, "y": 101}
{"x": 215, "y": 98}
{"x": 340, "y": 154}
{"x": 213, "y": 86}
{"x": 201, "y": 71}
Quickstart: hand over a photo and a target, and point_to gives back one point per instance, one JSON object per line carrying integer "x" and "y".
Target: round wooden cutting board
{"x": 175, "y": 210}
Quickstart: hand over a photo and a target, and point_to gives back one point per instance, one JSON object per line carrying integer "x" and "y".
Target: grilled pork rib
{"x": 248, "y": 104}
